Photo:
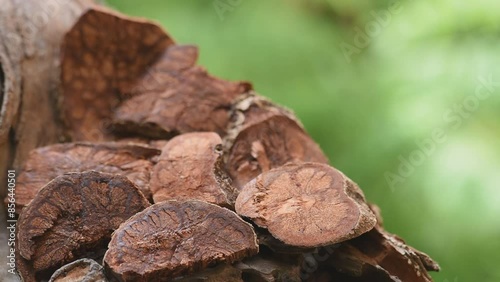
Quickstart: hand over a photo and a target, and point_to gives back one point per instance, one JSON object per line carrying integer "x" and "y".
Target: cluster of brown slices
{"x": 175, "y": 175}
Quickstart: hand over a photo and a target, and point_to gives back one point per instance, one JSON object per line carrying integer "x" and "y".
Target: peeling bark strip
{"x": 190, "y": 167}
{"x": 174, "y": 238}
{"x": 30, "y": 36}
{"x": 84, "y": 270}
{"x": 73, "y": 216}
{"x": 306, "y": 205}
{"x": 263, "y": 136}
{"x": 46, "y": 163}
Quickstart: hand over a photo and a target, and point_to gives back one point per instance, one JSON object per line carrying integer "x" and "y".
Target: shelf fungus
{"x": 263, "y": 136}
{"x": 175, "y": 238}
{"x": 44, "y": 164}
{"x": 190, "y": 167}
{"x": 84, "y": 270}
{"x": 73, "y": 217}
{"x": 306, "y": 205}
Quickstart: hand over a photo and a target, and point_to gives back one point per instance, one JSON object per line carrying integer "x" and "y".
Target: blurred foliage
{"x": 372, "y": 110}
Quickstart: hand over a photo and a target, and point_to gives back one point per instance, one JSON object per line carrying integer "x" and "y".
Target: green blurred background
{"x": 371, "y": 103}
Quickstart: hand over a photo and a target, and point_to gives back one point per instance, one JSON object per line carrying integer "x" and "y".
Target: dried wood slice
{"x": 73, "y": 216}
{"x": 174, "y": 238}
{"x": 104, "y": 54}
{"x": 192, "y": 101}
{"x": 44, "y": 164}
{"x": 220, "y": 273}
{"x": 263, "y": 136}
{"x": 190, "y": 167}
{"x": 82, "y": 270}
{"x": 306, "y": 205}
{"x": 380, "y": 254}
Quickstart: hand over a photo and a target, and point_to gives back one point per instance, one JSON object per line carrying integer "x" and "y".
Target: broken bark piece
{"x": 190, "y": 167}
{"x": 306, "y": 205}
{"x": 175, "y": 238}
{"x": 192, "y": 101}
{"x": 263, "y": 136}
{"x": 84, "y": 270}
{"x": 104, "y": 55}
{"x": 44, "y": 164}
{"x": 73, "y": 216}
{"x": 220, "y": 273}
{"x": 380, "y": 254}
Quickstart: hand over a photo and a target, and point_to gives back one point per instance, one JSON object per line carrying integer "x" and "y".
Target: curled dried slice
{"x": 263, "y": 136}
{"x": 192, "y": 100}
{"x": 85, "y": 270}
{"x": 73, "y": 216}
{"x": 306, "y": 205}
{"x": 174, "y": 238}
{"x": 104, "y": 54}
{"x": 190, "y": 167}
{"x": 380, "y": 254}
{"x": 46, "y": 163}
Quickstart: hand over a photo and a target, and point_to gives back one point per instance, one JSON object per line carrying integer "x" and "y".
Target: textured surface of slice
{"x": 190, "y": 167}
{"x": 44, "y": 164}
{"x": 263, "y": 136}
{"x": 73, "y": 216}
{"x": 104, "y": 55}
{"x": 175, "y": 238}
{"x": 306, "y": 205}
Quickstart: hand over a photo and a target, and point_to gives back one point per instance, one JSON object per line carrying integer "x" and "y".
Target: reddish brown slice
{"x": 84, "y": 270}
{"x": 174, "y": 238}
{"x": 380, "y": 254}
{"x": 306, "y": 205}
{"x": 191, "y": 100}
{"x": 73, "y": 216}
{"x": 104, "y": 55}
{"x": 264, "y": 136}
{"x": 190, "y": 167}
{"x": 44, "y": 164}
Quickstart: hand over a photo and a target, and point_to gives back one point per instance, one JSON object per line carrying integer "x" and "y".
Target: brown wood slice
{"x": 263, "y": 136}
{"x": 73, "y": 216}
{"x": 380, "y": 254}
{"x": 44, "y": 164}
{"x": 190, "y": 167}
{"x": 192, "y": 100}
{"x": 82, "y": 270}
{"x": 104, "y": 54}
{"x": 306, "y": 205}
{"x": 175, "y": 238}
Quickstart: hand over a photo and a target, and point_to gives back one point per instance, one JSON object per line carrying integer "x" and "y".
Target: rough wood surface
{"x": 306, "y": 204}
{"x": 44, "y": 164}
{"x": 73, "y": 216}
{"x": 174, "y": 238}
{"x": 190, "y": 167}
